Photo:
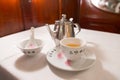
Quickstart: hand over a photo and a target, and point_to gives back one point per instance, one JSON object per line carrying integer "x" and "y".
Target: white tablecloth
{"x": 15, "y": 65}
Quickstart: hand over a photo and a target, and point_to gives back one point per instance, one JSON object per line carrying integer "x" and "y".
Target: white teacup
{"x": 73, "y": 48}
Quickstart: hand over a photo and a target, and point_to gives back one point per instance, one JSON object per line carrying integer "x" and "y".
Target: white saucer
{"x": 56, "y": 58}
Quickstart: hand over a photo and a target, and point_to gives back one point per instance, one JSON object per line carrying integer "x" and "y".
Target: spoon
{"x": 31, "y": 42}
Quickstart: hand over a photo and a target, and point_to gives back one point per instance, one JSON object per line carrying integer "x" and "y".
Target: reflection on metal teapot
{"x": 64, "y": 28}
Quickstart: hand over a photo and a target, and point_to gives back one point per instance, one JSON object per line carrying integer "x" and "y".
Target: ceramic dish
{"x": 31, "y": 51}
{"x": 56, "y": 58}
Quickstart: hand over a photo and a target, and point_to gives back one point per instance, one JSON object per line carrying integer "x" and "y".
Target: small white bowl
{"x": 31, "y": 51}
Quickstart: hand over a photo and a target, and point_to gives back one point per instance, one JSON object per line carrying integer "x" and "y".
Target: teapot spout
{"x": 52, "y": 33}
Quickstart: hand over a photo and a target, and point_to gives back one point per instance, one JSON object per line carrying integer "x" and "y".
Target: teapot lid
{"x": 63, "y": 18}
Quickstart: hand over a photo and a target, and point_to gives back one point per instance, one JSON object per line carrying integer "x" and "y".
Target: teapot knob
{"x": 64, "y": 16}
{"x": 71, "y": 19}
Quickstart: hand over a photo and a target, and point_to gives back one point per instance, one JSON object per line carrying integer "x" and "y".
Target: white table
{"x": 14, "y": 65}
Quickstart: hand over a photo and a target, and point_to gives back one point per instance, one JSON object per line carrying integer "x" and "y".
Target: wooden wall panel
{"x": 26, "y": 8}
{"x": 18, "y": 15}
{"x": 40, "y": 11}
{"x": 10, "y": 17}
{"x": 71, "y": 9}
{"x": 47, "y": 11}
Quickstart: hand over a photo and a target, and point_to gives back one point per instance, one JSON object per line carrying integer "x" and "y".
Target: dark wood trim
{"x": 27, "y": 15}
{"x": 10, "y": 17}
{"x": 71, "y": 9}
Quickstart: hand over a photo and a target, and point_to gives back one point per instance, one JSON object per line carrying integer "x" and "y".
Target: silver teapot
{"x": 63, "y": 28}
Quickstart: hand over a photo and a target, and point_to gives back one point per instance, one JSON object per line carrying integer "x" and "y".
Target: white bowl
{"x": 31, "y": 51}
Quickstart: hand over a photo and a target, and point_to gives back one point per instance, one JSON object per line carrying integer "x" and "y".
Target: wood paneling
{"x": 45, "y": 11}
{"x": 42, "y": 12}
{"x": 71, "y": 9}
{"x": 19, "y": 15}
{"x": 26, "y": 8}
{"x": 10, "y": 17}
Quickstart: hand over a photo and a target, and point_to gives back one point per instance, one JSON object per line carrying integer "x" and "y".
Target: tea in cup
{"x": 73, "y": 48}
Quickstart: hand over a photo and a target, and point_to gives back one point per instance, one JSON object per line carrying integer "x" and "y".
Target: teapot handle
{"x": 76, "y": 25}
